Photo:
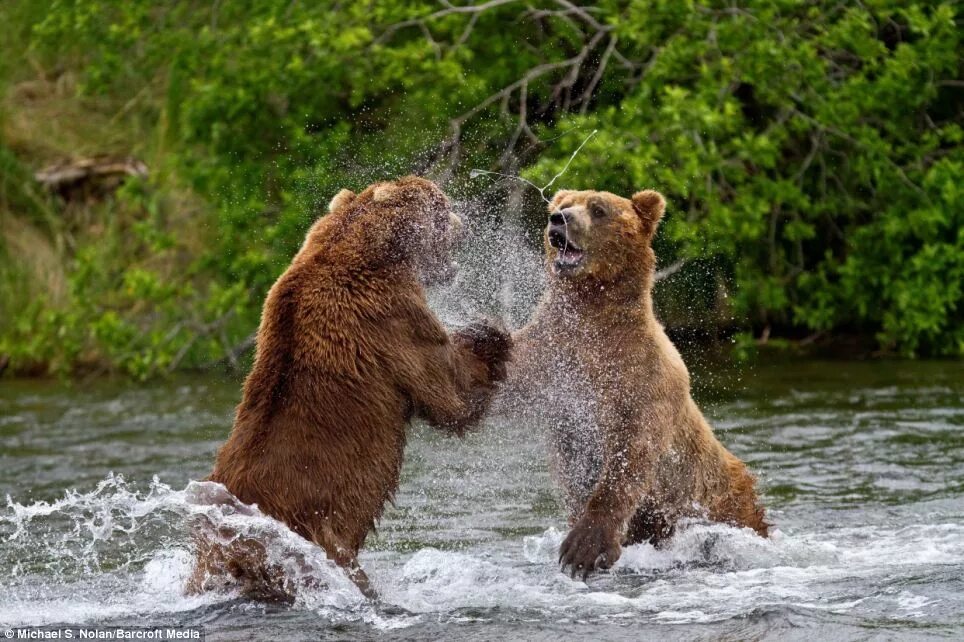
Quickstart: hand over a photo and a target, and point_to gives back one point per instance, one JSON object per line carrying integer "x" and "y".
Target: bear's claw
{"x": 589, "y": 547}
{"x": 491, "y": 343}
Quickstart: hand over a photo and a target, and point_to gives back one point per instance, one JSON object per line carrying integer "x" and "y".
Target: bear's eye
{"x": 598, "y": 210}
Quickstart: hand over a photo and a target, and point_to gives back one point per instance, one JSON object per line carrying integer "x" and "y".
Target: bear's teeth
{"x": 570, "y": 255}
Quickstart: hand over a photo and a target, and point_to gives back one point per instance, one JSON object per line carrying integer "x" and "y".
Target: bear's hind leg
{"x": 739, "y": 505}
{"x": 345, "y": 557}
{"x": 649, "y": 525}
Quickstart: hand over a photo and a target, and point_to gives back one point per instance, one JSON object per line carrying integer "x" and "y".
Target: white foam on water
{"x": 115, "y": 552}
{"x": 706, "y": 573}
{"x": 913, "y": 605}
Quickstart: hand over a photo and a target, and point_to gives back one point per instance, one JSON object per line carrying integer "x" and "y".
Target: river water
{"x": 861, "y": 466}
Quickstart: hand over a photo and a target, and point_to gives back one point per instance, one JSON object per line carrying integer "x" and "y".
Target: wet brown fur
{"x": 347, "y": 353}
{"x": 650, "y": 457}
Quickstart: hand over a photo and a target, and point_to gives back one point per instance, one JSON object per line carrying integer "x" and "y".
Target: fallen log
{"x": 93, "y": 176}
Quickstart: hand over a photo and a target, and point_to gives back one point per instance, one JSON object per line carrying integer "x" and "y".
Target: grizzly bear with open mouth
{"x": 630, "y": 448}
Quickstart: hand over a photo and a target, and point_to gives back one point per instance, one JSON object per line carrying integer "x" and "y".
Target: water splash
{"x": 118, "y": 553}
{"x": 500, "y": 275}
{"x": 61, "y": 557}
{"x": 475, "y": 173}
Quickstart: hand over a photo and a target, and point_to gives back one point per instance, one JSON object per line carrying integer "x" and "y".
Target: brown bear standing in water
{"x": 628, "y": 444}
{"x": 347, "y": 353}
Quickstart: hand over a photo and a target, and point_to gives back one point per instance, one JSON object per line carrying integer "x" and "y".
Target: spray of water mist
{"x": 516, "y": 276}
{"x": 475, "y": 173}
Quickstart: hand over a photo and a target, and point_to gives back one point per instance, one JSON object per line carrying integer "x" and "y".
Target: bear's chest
{"x": 567, "y": 404}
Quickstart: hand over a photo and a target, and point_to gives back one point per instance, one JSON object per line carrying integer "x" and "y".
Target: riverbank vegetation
{"x": 811, "y": 154}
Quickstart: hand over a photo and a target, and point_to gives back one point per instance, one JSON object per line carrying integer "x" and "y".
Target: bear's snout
{"x": 562, "y": 224}
{"x": 559, "y": 217}
{"x": 557, "y": 238}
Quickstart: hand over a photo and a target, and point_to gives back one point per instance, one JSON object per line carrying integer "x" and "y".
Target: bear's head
{"x": 407, "y": 222}
{"x": 602, "y": 238}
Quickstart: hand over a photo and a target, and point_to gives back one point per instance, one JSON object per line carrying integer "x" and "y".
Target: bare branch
{"x": 200, "y": 330}
{"x": 451, "y": 145}
{"x": 853, "y": 141}
{"x": 583, "y": 13}
{"x": 467, "y": 31}
{"x": 233, "y": 355}
{"x": 534, "y": 73}
{"x": 600, "y": 70}
{"x": 449, "y": 10}
{"x": 431, "y": 41}
{"x": 573, "y": 90}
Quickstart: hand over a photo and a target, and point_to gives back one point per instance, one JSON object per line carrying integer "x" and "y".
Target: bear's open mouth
{"x": 569, "y": 254}
{"x": 569, "y": 257}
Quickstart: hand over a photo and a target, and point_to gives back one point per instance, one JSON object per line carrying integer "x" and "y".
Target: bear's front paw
{"x": 491, "y": 343}
{"x": 591, "y": 544}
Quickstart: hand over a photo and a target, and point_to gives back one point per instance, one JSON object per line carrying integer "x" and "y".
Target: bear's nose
{"x": 559, "y": 217}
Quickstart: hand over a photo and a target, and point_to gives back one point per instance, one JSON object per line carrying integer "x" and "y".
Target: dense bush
{"x": 815, "y": 148}
{"x": 811, "y": 152}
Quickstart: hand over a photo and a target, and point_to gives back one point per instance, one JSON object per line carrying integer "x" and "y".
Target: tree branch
{"x": 449, "y": 10}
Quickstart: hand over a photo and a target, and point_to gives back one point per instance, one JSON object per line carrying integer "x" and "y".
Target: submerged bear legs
{"x": 224, "y": 559}
{"x": 649, "y": 525}
{"x": 345, "y": 556}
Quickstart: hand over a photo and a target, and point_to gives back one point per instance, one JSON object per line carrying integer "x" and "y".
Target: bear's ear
{"x": 649, "y": 205}
{"x": 342, "y": 199}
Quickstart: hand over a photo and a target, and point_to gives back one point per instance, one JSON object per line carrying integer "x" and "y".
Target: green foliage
{"x": 814, "y": 148}
{"x": 811, "y": 152}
